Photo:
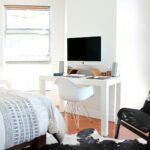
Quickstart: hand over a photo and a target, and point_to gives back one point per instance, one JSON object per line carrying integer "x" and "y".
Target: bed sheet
{"x": 25, "y": 116}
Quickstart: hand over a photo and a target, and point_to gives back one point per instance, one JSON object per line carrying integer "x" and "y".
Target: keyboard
{"x": 76, "y": 75}
{"x": 101, "y": 77}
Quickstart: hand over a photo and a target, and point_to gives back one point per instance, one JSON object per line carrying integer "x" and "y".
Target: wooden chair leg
{"x": 117, "y": 129}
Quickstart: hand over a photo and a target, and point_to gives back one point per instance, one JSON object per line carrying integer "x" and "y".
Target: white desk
{"x": 104, "y": 87}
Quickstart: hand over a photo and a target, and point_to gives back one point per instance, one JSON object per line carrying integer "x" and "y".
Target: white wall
{"x": 25, "y": 76}
{"x": 92, "y": 18}
{"x": 133, "y": 50}
{"x": 124, "y": 27}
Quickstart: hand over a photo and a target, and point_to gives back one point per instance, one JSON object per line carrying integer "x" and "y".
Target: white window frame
{"x": 26, "y": 58}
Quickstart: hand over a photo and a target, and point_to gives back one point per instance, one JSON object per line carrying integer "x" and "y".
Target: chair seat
{"x": 74, "y": 94}
{"x": 70, "y": 91}
{"x": 136, "y": 118}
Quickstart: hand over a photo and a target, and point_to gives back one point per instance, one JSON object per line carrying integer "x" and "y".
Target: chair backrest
{"x": 66, "y": 89}
{"x": 146, "y": 107}
{"x": 71, "y": 92}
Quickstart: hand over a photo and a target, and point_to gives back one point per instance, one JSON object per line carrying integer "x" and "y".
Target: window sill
{"x": 28, "y": 59}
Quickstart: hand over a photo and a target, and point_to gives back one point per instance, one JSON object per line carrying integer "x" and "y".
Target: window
{"x": 27, "y": 33}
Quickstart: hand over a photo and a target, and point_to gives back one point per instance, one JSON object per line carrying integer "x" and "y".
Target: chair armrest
{"x": 136, "y": 118}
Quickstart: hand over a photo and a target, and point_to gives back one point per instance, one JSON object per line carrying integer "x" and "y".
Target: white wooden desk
{"x": 104, "y": 98}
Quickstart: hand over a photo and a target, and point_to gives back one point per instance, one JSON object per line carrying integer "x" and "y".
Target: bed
{"x": 25, "y": 118}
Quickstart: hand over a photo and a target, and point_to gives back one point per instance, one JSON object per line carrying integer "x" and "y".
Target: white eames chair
{"x": 74, "y": 95}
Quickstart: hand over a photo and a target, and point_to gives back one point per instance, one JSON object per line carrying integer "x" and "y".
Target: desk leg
{"x": 118, "y": 98}
{"x": 104, "y": 109}
{"x": 113, "y": 99}
{"x": 42, "y": 86}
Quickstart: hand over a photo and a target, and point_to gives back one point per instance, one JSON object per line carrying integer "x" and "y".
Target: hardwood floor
{"x": 95, "y": 123}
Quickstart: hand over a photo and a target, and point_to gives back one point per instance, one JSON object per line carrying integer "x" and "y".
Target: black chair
{"x": 136, "y": 120}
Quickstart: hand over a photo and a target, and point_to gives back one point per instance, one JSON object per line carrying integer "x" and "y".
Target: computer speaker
{"x": 115, "y": 69}
{"x": 61, "y": 67}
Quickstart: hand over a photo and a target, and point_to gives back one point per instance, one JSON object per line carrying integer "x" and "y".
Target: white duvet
{"x": 25, "y": 116}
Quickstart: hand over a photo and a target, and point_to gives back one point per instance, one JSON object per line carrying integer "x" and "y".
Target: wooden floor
{"x": 95, "y": 123}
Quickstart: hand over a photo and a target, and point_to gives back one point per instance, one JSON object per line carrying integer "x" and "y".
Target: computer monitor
{"x": 84, "y": 48}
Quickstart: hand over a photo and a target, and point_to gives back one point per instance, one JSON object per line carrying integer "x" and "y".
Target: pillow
{"x": 146, "y": 107}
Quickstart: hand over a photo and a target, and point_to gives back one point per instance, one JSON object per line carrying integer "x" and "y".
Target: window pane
{"x": 27, "y": 33}
{"x": 27, "y": 19}
{"x": 24, "y": 44}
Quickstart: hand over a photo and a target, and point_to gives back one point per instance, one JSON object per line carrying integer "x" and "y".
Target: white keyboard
{"x": 77, "y": 75}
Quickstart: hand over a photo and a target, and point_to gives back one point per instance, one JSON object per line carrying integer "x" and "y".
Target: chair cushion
{"x": 136, "y": 118}
{"x": 146, "y": 107}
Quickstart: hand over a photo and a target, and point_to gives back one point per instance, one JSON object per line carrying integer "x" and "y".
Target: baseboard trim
{"x": 96, "y": 114}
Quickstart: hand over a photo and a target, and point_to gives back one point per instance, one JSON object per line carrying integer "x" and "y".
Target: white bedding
{"x": 25, "y": 116}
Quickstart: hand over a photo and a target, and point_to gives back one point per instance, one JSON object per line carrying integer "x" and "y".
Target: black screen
{"x": 84, "y": 49}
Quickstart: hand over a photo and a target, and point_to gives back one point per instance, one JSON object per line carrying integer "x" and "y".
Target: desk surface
{"x": 88, "y": 77}
{"x": 85, "y": 80}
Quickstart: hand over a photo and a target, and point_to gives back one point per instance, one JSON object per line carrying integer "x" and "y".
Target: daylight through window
{"x": 27, "y": 33}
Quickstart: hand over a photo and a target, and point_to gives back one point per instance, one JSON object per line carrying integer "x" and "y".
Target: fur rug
{"x": 89, "y": 139}
{"x": 104, "y": 145}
